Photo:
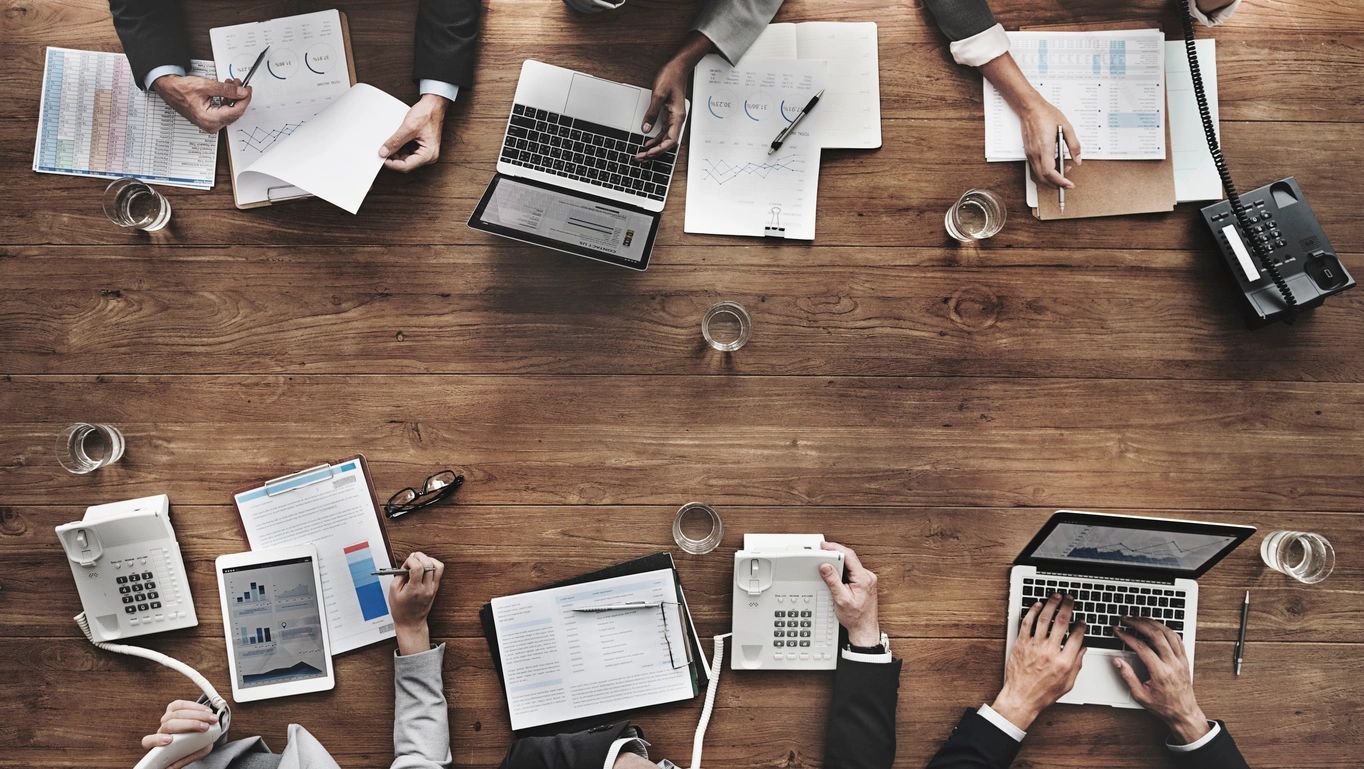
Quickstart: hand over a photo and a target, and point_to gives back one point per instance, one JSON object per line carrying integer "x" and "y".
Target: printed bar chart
{"x": 368, "y": 589}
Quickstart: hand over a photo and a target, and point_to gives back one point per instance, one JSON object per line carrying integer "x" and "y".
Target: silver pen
{"x": 620, "y": 606}
{"x": 785, "y": 132}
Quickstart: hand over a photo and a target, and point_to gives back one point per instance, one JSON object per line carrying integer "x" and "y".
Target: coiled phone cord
{"x": 1215, "y": 148}
{"x": 716, "y": 663}
{"x": 215, "y": 700}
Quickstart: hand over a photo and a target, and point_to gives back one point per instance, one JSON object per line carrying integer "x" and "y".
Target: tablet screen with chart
{"x": 274, "y": 618}
{"x": 1136, "y": 547}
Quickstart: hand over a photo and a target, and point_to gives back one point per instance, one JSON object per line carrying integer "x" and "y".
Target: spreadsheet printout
{"x": 95, "y": 121}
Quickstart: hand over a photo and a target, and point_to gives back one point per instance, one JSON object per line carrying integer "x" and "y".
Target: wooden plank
{"x": 1025, "y": 312}
{"x": 761, "y": 720}
{"x": 943, "y": 571}
{"x": 734, "y": 440}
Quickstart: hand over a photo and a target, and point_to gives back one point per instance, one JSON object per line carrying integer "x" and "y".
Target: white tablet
{"x": 274, "y": 622}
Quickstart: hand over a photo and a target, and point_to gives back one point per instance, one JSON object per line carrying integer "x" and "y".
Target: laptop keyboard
{"x": 1100, "y": 604}
{"x": 586, "y": 152}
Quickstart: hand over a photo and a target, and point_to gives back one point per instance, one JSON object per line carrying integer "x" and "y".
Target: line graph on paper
{"x": 723, "y": 171}
{"x": 258, "y": 139}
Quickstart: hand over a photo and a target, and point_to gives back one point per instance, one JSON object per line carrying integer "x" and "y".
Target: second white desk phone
{"x": 783, "y": 612}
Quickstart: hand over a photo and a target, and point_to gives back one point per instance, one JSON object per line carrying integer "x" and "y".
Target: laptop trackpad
{"x": 1100, "y": 684}
{"x": 602, "y": 101}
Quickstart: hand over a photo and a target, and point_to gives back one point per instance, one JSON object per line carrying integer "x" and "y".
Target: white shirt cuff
{"x": 982, "y": 47}
{"x": 1003, "y": 724}
{"x": 1198, "y": 743}
{"x": 162, "y": 71}
{"x": 884, "y": 658}
{"x": 439, "y": 88}
{"x": 634, "y": 744}
{"x": 1216, "y": 17}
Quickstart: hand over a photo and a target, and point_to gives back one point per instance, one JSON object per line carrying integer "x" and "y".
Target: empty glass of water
{"x": 84, "y": 448}
{"x": 134, "y": 205}
{"x": 1302, "y": 555}
{"x": 727, "y": 326}
{"x": 977, "y": 215}
{"x": 697, "y": 528}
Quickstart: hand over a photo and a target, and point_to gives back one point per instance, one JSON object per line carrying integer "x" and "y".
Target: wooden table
{"x": 926, "y": 403}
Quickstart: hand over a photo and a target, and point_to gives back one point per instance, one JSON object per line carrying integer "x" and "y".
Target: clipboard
{"x": 364, "y": 615}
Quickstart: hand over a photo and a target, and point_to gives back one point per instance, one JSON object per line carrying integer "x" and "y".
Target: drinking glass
{"x": 1302, "y": 555}
{"x": 83, "y": 448}
{"x": 134, "y": 205}
{"x": 727, "y": 326}
{"x": 697, "y": 528}
{"x": 977, "y": 215}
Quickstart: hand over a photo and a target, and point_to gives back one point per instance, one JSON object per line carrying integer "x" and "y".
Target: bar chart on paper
{"x": 368, "y": 590}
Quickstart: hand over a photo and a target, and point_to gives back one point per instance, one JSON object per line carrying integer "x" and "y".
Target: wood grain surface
{"x": 927, "y": 404}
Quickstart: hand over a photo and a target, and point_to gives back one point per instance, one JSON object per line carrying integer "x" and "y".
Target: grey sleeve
{"x": 960, "y": 19}
{"x": 733, "y": 25}
{"x": 421, "y": 725}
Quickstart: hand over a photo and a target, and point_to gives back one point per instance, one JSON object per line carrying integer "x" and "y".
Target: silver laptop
{"x": 1114, "y": 566}
{"x": 567, "y": 178}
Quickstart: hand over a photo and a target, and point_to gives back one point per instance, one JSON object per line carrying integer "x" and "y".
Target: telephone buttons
{"x": 129, "y": 609}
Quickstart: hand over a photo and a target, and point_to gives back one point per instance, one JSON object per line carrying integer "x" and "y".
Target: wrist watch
{"x": 880, "y": 648}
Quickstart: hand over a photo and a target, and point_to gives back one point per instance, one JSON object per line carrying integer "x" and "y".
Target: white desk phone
{"x": 131, "y": 579}
{"x": 783, "y": 612}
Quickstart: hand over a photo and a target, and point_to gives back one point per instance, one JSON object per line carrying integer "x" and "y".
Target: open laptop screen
{"x": 1129, "y": 545}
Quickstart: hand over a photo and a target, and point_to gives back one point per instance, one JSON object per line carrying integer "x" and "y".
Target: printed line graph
{"x": 260, "y": 139}
{"x": 721, "y": 172}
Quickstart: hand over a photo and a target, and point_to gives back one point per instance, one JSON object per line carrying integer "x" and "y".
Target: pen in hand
{"x": 396, "y": 572}
{"x": 218, "y": 101}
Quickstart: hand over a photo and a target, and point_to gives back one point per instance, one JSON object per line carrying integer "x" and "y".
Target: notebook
{"x": 563, "y": 670}
{"x": 852, "y": 95}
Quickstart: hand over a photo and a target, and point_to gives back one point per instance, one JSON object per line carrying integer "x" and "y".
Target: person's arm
{"x": 733, "y": 25}
{"x": 579, "y": 750}
{"x": 1041, "y": 668}
{"x": 184, "y": 717}
{"x": 860, "y": 733}
{"x": 1213, "y": 12}
{"x": 421, "y": 727}
{"x": 1168, "y": 694}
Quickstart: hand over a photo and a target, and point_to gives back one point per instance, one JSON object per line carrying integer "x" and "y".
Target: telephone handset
{"x": 1272, "y": 242}
{"x": 783, "y": 612}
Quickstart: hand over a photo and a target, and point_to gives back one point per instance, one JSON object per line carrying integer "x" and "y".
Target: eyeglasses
{"x": 436, "y": 488}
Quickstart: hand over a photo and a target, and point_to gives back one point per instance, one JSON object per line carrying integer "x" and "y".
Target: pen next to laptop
{"x": 1241, "y": 636}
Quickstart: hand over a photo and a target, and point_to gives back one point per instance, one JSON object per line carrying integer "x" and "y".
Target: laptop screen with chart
{"x": 1098, "y": 543}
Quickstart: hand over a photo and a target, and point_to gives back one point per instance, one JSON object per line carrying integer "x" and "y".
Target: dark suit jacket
{"x": 978, "y": 744}
{"x": 153, "y": 35}
{"x": 860, "y": 733}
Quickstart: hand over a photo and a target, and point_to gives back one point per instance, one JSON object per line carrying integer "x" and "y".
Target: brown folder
{"x": 1110, "y": 187}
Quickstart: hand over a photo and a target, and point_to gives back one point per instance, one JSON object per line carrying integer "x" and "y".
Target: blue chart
{"x": 260, "y": 139}
{"x": 722, "y": 171}
{"x": 367, "y": 588}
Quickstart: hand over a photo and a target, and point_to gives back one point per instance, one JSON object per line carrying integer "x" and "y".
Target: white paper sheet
{"x": 95, "y": 121}
{"x": 852, "y": 96}
{"x": 734, "y": 186}
{"x": 560, "y": 665}
{"x": 336, "y": 514}
{"x": 1110, "y": 85}
{"x": 1195, "y": 174}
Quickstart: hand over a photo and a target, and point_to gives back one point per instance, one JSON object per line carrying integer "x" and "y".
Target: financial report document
{"x": 1110, "y": 85}
{"x": 559, "y": 665}
{"x": 331, "y": 509}
{"x": 734, "y": 186}
{"x": 95, "y": 121}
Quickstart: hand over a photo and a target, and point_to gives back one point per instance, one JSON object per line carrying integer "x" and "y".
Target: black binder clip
{"x": 774, "y": 228}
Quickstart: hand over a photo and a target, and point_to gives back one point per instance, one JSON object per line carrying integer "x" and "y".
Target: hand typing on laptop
{"x": 1168, "y": 693}
{"x": 1046, "y": 659}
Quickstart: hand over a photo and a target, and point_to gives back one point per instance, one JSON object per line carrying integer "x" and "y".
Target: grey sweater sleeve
{"x": 960, "y": 19}
{"x": 421, "y": 725}
{"x": 733, "y": 25}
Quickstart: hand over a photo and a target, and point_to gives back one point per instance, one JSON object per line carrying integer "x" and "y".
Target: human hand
{"x": 855, "y": 601}
{"x": 182, "y": 717}
{"x": 670, "y": 95}
{"x": 1041, "y": 669}
{"x": 417, "y": 141}
{"x": 1040, "y": 119}
{"x": 627, "y": 760}
{"x": 1169, "y": 693}
{"x": 194, "y": 97}
{"x": 410, "y": 599}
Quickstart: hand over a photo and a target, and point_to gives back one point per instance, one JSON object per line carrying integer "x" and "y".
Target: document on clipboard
{"x": 332, "y": 507}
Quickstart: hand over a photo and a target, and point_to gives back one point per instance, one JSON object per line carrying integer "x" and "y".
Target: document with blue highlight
{"x": 331, "y": 507}
{"x": 1110, "y": 85}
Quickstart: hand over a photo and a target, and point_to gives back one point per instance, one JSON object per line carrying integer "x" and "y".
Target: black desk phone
{"x": 1273, "y": 244}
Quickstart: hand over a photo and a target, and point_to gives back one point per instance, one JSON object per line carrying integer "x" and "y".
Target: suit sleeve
{"x": 446, "y": 41}
{"x": 153, "y": 35}
{"x": 861, "y": 729}
{"x": 733, "y": 25}
{"x": 421, "y": 725}
{"x": 1220, "y": 753}
{"x": 975, "y": 743}
{"x": 579, "y": 750}
{"x": 976, "y": 38}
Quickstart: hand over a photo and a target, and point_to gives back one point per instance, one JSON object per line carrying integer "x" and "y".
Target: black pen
{"x": 396, "y": 572}
{"x": 1241, "y": 637}
{"x": 785, "y": 132}
{"x": 218, "y": 101}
